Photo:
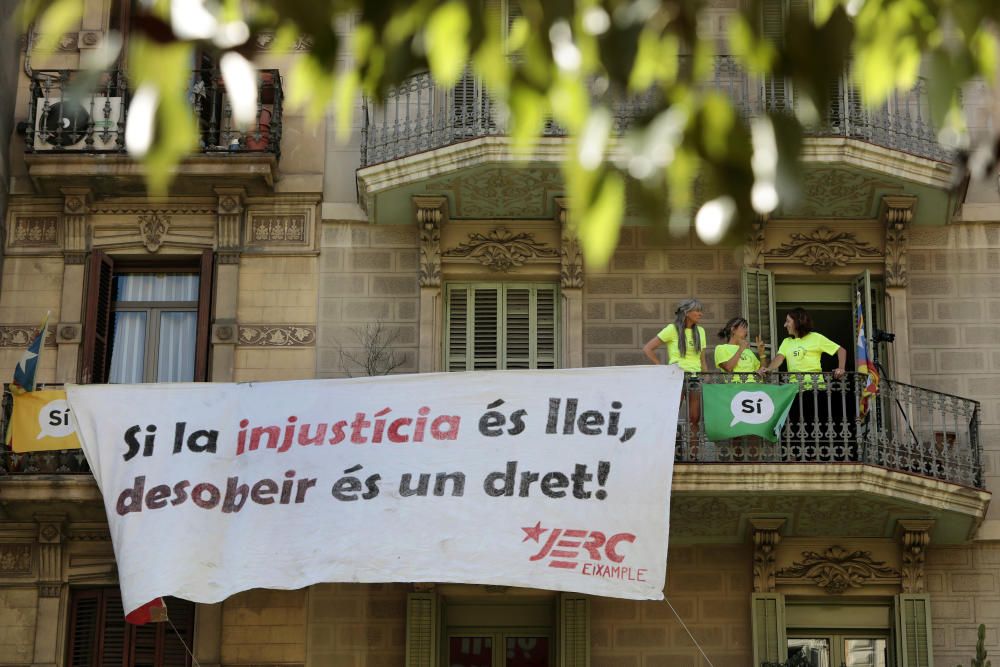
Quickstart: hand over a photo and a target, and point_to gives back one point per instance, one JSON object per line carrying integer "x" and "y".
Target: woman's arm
{"x": 841, "y": 363}
{"x": 649, "y": 349}
{"x": 704, "y": 361}
{"x": 728, "y": 366}
{"x": 779, "y": 359}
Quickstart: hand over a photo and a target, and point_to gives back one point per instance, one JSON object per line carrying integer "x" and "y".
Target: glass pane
{"x": 865, "y": 653}
{"x": 527, "y": 652}
{"x": 175, "y": 356}
{"x": 156, "y": 287}
{"x": 128, "y": 350}
{"x": 808, "y": 652}
{"x": 470, "y": 652}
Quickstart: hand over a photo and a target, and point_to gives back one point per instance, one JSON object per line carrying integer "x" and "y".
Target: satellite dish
{"x": 65, "y": 123}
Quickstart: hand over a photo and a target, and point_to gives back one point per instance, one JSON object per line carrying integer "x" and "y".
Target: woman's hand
{"x": 839, "y": 373}
{"x": 763, "y": 370}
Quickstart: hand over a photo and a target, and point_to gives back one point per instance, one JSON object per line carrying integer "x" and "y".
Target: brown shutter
{"x": 205, "y": 292}
{"x": 173, "y": 653}
{"x": 84, "y": 617}
{"x": 114, "y": 631}
{"x": 97, "y": 325}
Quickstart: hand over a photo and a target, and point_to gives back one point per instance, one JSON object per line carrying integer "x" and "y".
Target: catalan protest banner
{"x": 735, "y": 409}
{"x": 547, "y": 479}
{"x": 41, "y": 422}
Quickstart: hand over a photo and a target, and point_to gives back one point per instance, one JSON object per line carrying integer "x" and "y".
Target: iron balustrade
{"x": 909, "y": 429}
{"x": 75, "y": 111}
{"x": 417, "y": 116}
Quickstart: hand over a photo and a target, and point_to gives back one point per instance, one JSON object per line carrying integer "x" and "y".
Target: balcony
{"x": 75, "y": 134}
{"x": 418, "y": 117}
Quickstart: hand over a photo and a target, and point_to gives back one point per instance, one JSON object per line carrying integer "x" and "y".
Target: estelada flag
{"x": 154, "y": 611}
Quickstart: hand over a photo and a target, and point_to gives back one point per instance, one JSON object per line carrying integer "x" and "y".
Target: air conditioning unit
{"x": 63, "y": 124}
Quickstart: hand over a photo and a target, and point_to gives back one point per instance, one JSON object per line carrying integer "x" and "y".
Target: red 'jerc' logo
{"x": 592, "y": 551}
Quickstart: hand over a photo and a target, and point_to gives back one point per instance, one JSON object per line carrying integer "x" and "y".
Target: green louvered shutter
{"x": 757, "y": 286}
{"x": 574, "y": 630}
{"x": 913, "y": 631}
{"x": 768, "y": 627}
{"x": 421, "y": 630}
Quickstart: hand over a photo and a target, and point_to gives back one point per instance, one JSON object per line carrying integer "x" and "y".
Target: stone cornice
{"x": 60, "y": 488}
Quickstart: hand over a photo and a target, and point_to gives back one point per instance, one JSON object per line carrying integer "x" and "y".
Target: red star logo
{"x": 534, "y": 532}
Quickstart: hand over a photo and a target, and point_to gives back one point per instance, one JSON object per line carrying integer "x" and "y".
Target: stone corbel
{"x": 50, "y": 542}
{"x": 753, "y": 251}
{"x": 914, "y": 536}
{"x": 77, "y": 203}
{"x": 766, "y": 536}
{"x": 897, "y": 214}
{"x": 571, "y": 258}
{"x": 431, "y": 213}
{"x": 229, "y": 224}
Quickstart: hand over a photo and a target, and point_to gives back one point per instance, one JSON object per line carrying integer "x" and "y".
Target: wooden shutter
{"x": 767, "y": 615}
{"x": 757, "y": 287}
{"x": 84, "y": 620}
{"x": 518, "y": 320}
{"x": 114, "y": 630}
{"x": 776, "y": 91}
{"x": 97, "y": 324}
{"x": 485, "y": 352}
{"x": 205, "y": 291}
{"x": 546, "y": 334}
{"x": 421, "y": 630}
{"x": 913, "y": 631}
{"x": 457, "y": 328}
{"x": 574, "y": 630}
{"x": 182, "y": 615}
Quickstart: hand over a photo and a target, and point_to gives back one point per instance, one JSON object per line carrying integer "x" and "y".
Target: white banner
{"x": 546, "y": 479}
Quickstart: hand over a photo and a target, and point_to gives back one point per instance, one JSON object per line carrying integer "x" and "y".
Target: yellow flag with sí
{"x": 42, "y": 422}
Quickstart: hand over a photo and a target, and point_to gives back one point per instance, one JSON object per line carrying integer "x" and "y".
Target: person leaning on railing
{"x": 735, "y": 356}
{"x": 687, "y": 350}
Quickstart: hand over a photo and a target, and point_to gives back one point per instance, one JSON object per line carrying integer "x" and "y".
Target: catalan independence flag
{"x": 864, "y": 362}
{"x": 24, "y": 372}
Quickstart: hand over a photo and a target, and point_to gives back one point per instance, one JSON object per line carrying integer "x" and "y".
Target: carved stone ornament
{"x": 766, "y": 537}
{"x": 916, "y": 536}
{"x": 824, "y": 249}
{"x": 897, "y": 212}
{"x": 502, "y": 250}
{"x": 277, "y": 335}
{"x": 19, "y": 335}
{"x": 837, "y": 570}
{"x": 15, "y": 558}
{"x": 571, "y": 264}
{"x": 34, "y": 231}
{"x": 753, "y": 251}
{"x": 68, "y": 332}
{"x": 152, "y": 229}
{"x": 430, "y": 215}
{"x": 278, "y": 228}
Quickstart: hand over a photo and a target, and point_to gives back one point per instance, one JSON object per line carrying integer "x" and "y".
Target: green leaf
{"x": 528, "y": 112}
{"x": 599, "y": 220}
{"x": 984, "y": 47}
{"x": 59, "y": 18}
{"x": 447, "y": 40}
{"x": 823, "y": 10}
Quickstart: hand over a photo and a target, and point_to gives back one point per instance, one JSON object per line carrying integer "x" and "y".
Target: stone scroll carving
{"x": 824, "y": 249}
{"x": 766, "y": 537}
{"x": 915, "y": 538}
{"x": 501, "y": 250}
{"x": 837, "y": 570}
{"x": 897, "y": 213}
{"x": 430, "y": 214}
{"x": 571, "y": 256}
{"x": 152, "y": 229}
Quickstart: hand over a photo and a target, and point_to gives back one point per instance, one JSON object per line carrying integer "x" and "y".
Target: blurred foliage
{"x": 568, "y": 59}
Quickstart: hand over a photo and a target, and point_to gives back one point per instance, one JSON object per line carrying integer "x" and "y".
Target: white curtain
{"x": 129, "y": 348}
{"x": 176, "y": 353}
{"x": 157, "y": 287}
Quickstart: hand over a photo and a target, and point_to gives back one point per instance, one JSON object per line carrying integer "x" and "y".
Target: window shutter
{"x": 768, "y": 627}
{"x": 518, "y": 314}
{"x": 113, "y": 630}
{"x": 97, "y": 325}
{"x": 574, "y": 630}
{"x": 84, "y": 617}
{"x": 205, "y": 291}
{"x": 421, "y": 630}
{"x": 458, "y": 329}
{"x": 181, "y": 614}
{"x": 757, "y": 286}
{"x": 485, "y": 328}
{"x": 144, "y": 645}
{"x": 913, "y": 631}
{"x": 776, "y": 91}
{"x": 546, "y": 300}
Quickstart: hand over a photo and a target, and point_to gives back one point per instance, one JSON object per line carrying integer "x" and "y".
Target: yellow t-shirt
{"x": 748, "y": 362}
{"x": 691, "y": 362}
{"x": 803, "y": 354}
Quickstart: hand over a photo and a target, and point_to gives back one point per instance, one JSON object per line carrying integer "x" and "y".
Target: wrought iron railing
{"x": 417, "y": 116}
{"x": 71, "y": 112}
{"x": 907, "y": 429}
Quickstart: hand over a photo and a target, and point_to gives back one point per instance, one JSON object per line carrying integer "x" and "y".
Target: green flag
{"x": 736, "y": 409}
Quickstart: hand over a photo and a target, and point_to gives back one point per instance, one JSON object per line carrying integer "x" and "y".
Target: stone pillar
{"x": 69, "y": 332}
{"x": 571, "y": 282}
{"x": 914, "y": 537}
{"x": 766, "y": 536}
{"x": 229, "y": 243}
{"x": 208, "y": 634}
{"x": 430, "y": 213}
{"x": 50, "y": 580}
{"x": 897, "y": 214}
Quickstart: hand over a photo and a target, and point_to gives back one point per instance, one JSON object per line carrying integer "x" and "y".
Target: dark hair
{"x": 727, "y": 331}
{"x": 803, "y": 323}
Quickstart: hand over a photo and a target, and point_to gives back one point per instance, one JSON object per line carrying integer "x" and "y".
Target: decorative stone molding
{"x": 35, "y": 232}
{"x": 76, "y": 208}
{"x": 897, "y": 214}
{"x": 89, "y": 39}
{"x": 69, "y": 332}
{"x": 152, "y": 229}
{"x": 277, "y": 335}
{"x": 753, "y": 251}
{"x": 823, "y": 249}
{"x": 430, "y": 213}
{"x": 915, "y": 535}
{"x": 837, "y": 570}
{"x": 18, "y": 335}
{"x": 90, "y": 535}
{"x": 766, "y": 536}
{"x": 230, "y": 221}
{"x": 15, "y": 559}
{"x": 224, "y": 332}
{"x": 570, "y": 255}
{"x": 50, "y": 539}
{"x": 502, "y": 250}
{"x": 278, "y": 229}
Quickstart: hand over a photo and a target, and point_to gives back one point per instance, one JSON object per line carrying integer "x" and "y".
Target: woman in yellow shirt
{"x": 686, "y": 349}
{"x": 734, "y": 356}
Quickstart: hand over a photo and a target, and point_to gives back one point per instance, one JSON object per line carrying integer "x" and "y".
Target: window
{"x": 830, "y": 650}
{"x": 147, "y": 324}
{"x": 501, "y": 326}
{"x": 98, "y": 635}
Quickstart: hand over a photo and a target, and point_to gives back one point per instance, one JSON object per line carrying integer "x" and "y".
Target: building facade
{"x": 848, "y": 543}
